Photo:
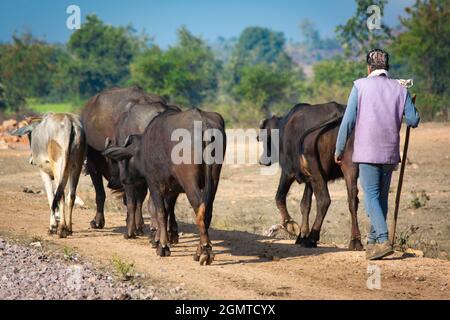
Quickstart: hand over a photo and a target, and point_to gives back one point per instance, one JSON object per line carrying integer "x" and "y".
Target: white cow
{"x": 58, "y": 148}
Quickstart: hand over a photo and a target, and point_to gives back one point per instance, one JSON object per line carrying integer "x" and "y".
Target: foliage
{"x": 68, "y": 253}
{"x": 244, "y": 78}
{"x": 186, "y": 73}
{"x": 424, "y": 48}
{"x": 262, "y": 85}
{"x": 255, "y": 46}
{"x": 355, "y": 36}
{"x": 42, "y": 108}
{"x": 312, "y": 38}
{"x": 123, "y": 268}
{"x": 27, "y": 66}
{"x": 100, "y": 56}
{"x": 339, "y": 71}
{"x": 259, "y": 72}
{"x": 332, "y": 81}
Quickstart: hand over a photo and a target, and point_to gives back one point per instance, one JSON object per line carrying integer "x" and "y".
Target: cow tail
{"x": 208, "y": 183}
{"x": 65, "y": 174}
{"x": 323, "y": 125}
{"x": 207, "y": 190}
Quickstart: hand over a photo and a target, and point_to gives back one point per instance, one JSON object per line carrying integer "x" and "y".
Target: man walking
{"x": 375, "y": 110}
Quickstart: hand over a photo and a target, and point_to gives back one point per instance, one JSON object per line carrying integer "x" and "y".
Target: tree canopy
{"x": 186, "y": 73}
{"x": 355, "y": 36}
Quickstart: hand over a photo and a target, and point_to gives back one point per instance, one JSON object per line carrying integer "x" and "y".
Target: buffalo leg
{"x": 153, "y": 223}
{"x": 305, "y": 208}
{"x": 141, "y": 193}
{"x": 283, "y": 188}
{"x": 351, "y": 180}
{"x": 162, "y": 248}
{"x": 170, "y": 201}
{"x": 130, "y": 192}
{"x": 204, "y": 249}
{"x": 100, "y": 196}
{"x": 323, "y": 201}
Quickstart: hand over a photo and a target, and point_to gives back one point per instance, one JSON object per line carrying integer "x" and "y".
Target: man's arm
{"x": 411, "y": 114}
{"x": 348, "y": 123}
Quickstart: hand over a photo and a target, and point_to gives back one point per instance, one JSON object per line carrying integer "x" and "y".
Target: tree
{"x": 424, "y": 48}
{"x": 27, "y": 66}
{"x": 312, "y": 38}
{"x": 256, "y": 45}
{"x": 101, "y": 55}
{"x": 355, "y": 36}
{"x": 186, "y": 73}
{"x": 338, "y": 71}
{"x": 263, "y": 85}
{"x": 310, "y": 33}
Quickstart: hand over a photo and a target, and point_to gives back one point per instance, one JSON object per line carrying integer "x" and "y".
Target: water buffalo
{"x": 133, "y": 120}
{"x": 153, "y": 156}
{"x": 307, "y": 140}
{"x": 100, "y": 118}
{"x": 58, "y": 149}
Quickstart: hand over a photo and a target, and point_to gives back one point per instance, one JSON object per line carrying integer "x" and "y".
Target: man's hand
{"x": 338, "y": 159}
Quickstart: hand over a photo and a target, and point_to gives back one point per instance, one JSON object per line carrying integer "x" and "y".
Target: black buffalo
{"x": 307, "y": 141}
{"x": 100, "y": 118}
{"x": 133, "y": 121}
{"x": 150, "y": 156}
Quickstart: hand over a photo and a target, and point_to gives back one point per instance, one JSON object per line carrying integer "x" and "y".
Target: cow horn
{"x": 107, "y": 142}
{"x": 131, "y": 139}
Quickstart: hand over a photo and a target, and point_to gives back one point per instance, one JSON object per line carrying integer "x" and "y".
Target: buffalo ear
{"x": 117, "y": 153}
{"x": 133, "y": 138}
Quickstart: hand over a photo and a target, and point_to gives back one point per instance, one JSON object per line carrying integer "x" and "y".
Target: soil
{"x": 249, "y": 265}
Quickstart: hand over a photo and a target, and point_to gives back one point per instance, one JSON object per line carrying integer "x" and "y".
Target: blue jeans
{"x": 376, "y": 180}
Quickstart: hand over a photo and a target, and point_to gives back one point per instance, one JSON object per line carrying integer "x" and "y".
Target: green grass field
{"x": 49, "y": 107}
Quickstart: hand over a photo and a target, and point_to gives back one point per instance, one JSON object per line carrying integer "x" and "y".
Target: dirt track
{"x": 247, "y": 265}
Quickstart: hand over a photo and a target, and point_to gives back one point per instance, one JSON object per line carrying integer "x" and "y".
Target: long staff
{"x": 400, "y": 183}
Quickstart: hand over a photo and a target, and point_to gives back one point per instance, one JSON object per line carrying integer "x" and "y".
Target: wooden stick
{"x": 400, "y": 184}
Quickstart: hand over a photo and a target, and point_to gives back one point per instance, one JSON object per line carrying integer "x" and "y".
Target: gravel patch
{"x": 28, "y": 273}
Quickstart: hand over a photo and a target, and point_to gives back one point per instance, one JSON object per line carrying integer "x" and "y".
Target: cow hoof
{"x": 154, "y": 243}
{"x": 306, "y": 242}
{"x": 355, "y": 245}
{"x": 52, "y": 230}
{"x": 99, "y": 225}
{"x": 206, "y": 258}
{"x": 173, "y": 238}
{"x": 98, "y": 222}
{"x": 129, "y": 236}
{"x": 292, "y": 227}
{"x": 163, "y": 251}
{"x": 139, "y": 232}
{"x": 63, "y": 232}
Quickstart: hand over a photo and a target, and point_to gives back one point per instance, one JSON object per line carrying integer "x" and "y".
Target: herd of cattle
{"x": 125, "y": 136}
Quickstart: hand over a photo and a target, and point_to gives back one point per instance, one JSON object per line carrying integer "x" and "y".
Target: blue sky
{"x": 161, "y": 18}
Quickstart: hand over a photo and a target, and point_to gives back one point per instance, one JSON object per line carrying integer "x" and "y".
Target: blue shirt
{"x": 348, "y": 122}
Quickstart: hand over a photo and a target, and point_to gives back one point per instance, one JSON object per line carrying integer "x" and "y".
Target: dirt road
{"x": 247, "y": 265}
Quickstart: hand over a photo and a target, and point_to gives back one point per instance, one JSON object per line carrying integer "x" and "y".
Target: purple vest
{"x": 381, "y": 103}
